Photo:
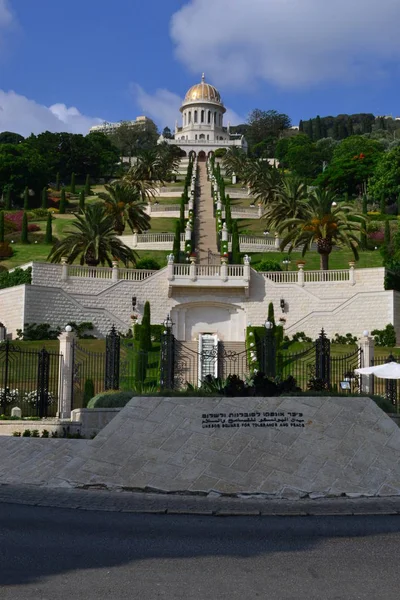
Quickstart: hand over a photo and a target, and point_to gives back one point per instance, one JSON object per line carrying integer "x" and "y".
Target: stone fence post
{"x": 277, "y": 241}
{"x": 367, "y": 346}
{"x": 115, "y": 273}
{"x": 300, "y": 274}
{"x": 225, "y": 233}
{"x": 135, "y": 238}
{"x": 352, "y": 278}
{"x": 64, "y": 268}
{"x": 66, "y": 373}
{"x": 170, "y": 267}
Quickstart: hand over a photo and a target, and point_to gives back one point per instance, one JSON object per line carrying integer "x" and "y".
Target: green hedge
{"x": 110, "y": 399}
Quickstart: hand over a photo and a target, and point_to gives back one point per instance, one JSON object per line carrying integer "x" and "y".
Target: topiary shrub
{"x": 267, "y": 265}
{"x": 148, "y": 263}
{"x": 110, "y": 399}
{"x": 385, "y": 337}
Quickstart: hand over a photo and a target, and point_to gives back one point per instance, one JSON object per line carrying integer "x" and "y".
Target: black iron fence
{"x": 388, "y": 388}
{"x": 29, "y": 380}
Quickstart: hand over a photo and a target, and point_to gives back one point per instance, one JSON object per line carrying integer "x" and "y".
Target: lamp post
{"x": 286, "y": 262}
{"x": 269, "y": 350}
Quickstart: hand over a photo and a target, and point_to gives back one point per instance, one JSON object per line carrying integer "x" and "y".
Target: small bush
{"x": 45, "y": 433}
{"x": 148, "y": 263}
{"x": 267, "y": 265}
{"x": 345, "y": 340}
{"x": 385, "y": 337}
{"x": 35, "y": 433}
{"x": 27, "y": 433}
{"x": 88, "y": 393}
{"x": 110, "y": 399}
{"x": 33, "y": 227}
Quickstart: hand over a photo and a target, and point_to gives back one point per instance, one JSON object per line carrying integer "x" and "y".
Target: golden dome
{"x": 203, "y": 91}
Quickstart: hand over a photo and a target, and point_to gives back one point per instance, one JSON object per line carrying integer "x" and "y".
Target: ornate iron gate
{"x": 29, "y": 379}
{"x": 89, "y": 369}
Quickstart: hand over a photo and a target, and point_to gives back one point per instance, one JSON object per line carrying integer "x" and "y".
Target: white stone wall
{"x": 12, "y": 308}
{"x": 338, "y": 307}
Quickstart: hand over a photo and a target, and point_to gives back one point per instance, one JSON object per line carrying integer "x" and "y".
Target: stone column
{"x": 246, "y": 261}
{"x": 300, "y": 274}
{"x": 170, "y": 267}
{"x": 277, "y": 241}
{"x": 225, "y": 233}
{"x": 224, "y": 270}
{"x": 66, "y": 373}
{"x": 135, "y": 238}
{"x": 188, "y": 233}
{"x": 367, "y": 346}
{"x": 64, "y": 268}
{"x": 191, "y": 204}
{"x": 192, "y": 269}
{"x": 260, "y": 210}
{"x": 234, "y": 179}
{"x": 115, "y": 275}
{"x": 352, "y": 278}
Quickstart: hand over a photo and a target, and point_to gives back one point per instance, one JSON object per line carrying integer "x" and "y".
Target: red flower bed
{"x": 376, "y": 236}
{"x": 15, "y": 218}
{"x": 33, "y": 227}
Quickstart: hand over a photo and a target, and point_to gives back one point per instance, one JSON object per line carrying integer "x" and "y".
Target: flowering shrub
{"x": 376, "y": 236}
{"x": 15, "y": 218}
{"x": 8, "y": 396}
{"x": 33, "y": 227}
{"x": 31, "y": 398}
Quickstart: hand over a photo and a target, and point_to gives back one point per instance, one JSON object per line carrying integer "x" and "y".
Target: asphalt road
{"x": 52, "y": 554}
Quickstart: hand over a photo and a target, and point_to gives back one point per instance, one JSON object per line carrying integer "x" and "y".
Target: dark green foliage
{"x": 271, "y": 314}
{"x": 44, "y": 198}
{"x": 182, "y": 213}
{"x": 176, "y": 249}
{"x": 33, "y": 332}
{"x": 267, "y": 265}
{"x": 24, "y": 230}
{"x": 398, "y": 204}
{"x": 228, "y": 214}
{"x": 365, "y": 204}
{"x": 82, "y": 201}
{"x": 49, "y": 230}
{"x": 27, "y": 433}
{"x": 345, "y": 340}
{"x": 17, "y": 277}
{"x": 110, "y": 399}
{"x": 63, "y": 202}
{"x": 73, "y": 183}
{"x": 257, "y": 385}
{"x": 1, "y": 226}
{"x": 82, "y": 329}
{"x": 148, "y": 263}
{"x": 300, "y": 336}
{"x": 26, "y": 198}
{"x": 385, "y": 337}
{"x": 88, "y": 393}
{"x": 8, "y": 199}
{"x": 235, "y": 255}
{"x": 87, "y": 186}
{"x": 387, "y": 238}
{"x": 144, "y": 345}
{"x": 58, "y": 182}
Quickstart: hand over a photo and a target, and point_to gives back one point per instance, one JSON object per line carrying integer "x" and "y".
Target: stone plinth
{"x": 282, "y": 447}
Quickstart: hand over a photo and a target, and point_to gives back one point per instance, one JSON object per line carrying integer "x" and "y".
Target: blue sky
{"x": 65, "y": 64}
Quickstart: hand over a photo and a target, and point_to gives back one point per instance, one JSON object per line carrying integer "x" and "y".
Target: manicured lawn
{"x": 162, "y": 225}
{"x": 159, "y": 255}
{"x": 174, "y": 200}
{"x": 246, "y": 201}
{"x": 179, "y": 183}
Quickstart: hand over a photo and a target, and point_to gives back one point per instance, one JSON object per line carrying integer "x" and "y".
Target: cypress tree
{"x": 82, "y": 201}
{"x": 49, "y": 230}
{"x": 336, "y": 130}
{"x": 144, "y": 344}
{"x": 398, "y": 204}
{"x": 228, "y": 214}
{"x": 387, "y": 233}
{"x": 8, "y": 199}
{"x": 63, "y": 202}
{"x": 58, "y": 182}
{"x": 44, "y": 198}
{"x": 24, "y": 231}
{"x": 1, "y": 226}
{"x": 350, "y": 128}
{"x": 383, "y": 204}
{"x": 72, "y": 183}
{"x": 301, "y": 126}
{"x": 88, "y": 392}
{"x": 271, "y": 314}
{"x": 26, "y": 198}
{"x": 87, "y": 186}
{"x": 176, "y": 250}
{"x": 182, "y": 213}
{"x": 310, "y": 129}
{"x": 235, "y": 259}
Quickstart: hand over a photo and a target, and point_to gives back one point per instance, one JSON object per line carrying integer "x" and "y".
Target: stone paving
{"x": 205, "y": 223}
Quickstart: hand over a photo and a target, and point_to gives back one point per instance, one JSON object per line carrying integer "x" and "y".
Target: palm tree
{"x": 235, "y": 161}
{"x": 290, "y": 202}
{"x": 326, "y": 224}
{"x": 263, "y": 180}
{"x": 145, "y": 188}
{"x": 92, "y": 238}
{"x": 125, "y": 204}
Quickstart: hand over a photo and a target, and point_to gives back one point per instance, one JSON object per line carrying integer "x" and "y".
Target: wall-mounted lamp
{"x": 133, "y": 302}
{"x": 283, "y": 304}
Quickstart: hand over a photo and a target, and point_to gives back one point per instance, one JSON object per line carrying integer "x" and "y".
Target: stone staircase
{"x": 205, "y": 232}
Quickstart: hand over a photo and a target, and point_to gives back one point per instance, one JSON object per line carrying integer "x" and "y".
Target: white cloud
{"x": 5, "y": 14}
{"x": 24, "y": 116}
{"x": 163, "y": 107}
{"x": 290, "y": 43}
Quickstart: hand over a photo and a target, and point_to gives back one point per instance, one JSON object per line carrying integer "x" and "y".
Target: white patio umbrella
{"x": 389, "y": 370}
